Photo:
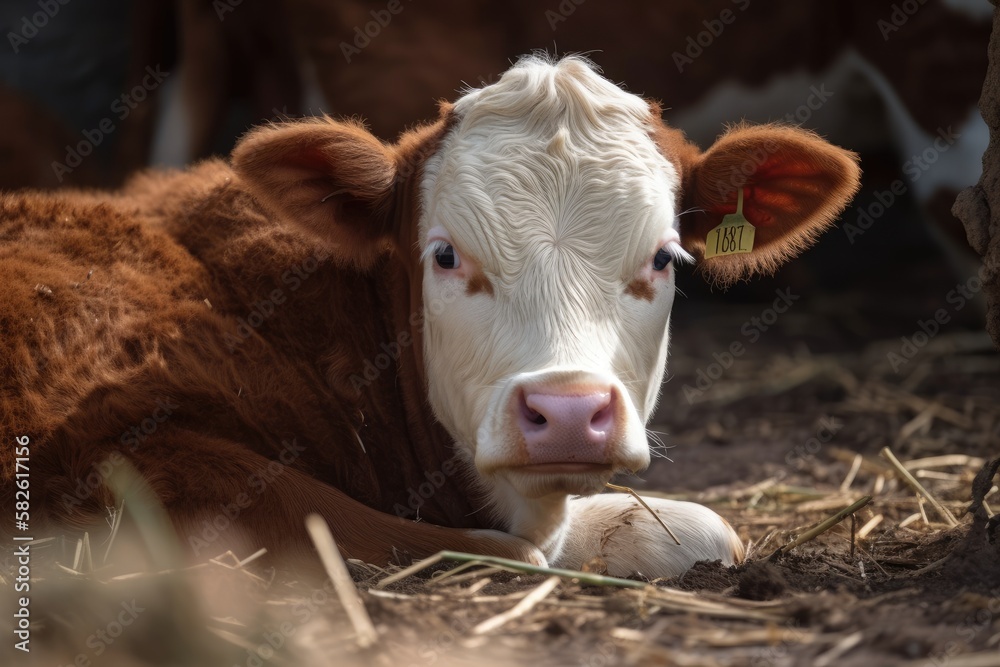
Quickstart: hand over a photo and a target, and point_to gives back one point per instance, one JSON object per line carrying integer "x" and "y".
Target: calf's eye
{"x": 446, "y": 257}
{"x": 661, "y": 259}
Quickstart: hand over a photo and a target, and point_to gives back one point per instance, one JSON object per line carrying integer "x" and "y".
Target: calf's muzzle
{"x": 566, "y": 425}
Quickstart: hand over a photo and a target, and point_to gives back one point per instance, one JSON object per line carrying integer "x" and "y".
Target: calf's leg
{"x": 219, "y": 495}
{"x": 617, "y": 529}
{"x": 276, "y": 520}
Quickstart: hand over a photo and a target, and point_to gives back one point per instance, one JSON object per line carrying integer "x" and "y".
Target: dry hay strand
{"x": 822, "y": 526}
{"x": 568, "y": 621}
{"x": 918, "y": 487}
{"x": 518, "y": 566}
{"x": 336, "y": 569}
{"x": 630, "y": 491}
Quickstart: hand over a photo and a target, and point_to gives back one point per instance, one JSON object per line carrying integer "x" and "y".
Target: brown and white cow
{"x": 476, "y": 315}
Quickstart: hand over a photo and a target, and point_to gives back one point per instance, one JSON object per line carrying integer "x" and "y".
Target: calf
{"x": 468, "y": 327}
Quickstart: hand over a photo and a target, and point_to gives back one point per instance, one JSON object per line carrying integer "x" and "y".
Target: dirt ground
{"x": 784, "y": 437}
{"x": 777, "y": 436}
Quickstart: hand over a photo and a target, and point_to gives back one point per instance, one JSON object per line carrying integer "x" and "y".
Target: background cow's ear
{"x": 332, "y": 179}
{"x": 794, "y": 184}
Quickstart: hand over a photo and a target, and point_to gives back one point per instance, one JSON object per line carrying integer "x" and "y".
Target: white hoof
{"x": 622, "y": 533}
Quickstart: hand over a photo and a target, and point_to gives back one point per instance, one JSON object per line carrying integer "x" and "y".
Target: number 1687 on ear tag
{"x": 734, "y": 235}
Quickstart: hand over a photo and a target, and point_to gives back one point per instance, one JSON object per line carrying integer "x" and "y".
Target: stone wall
{"x": 978, "y": 207}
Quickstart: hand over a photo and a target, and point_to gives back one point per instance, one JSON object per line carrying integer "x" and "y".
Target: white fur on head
{"x": 556, "y": 199}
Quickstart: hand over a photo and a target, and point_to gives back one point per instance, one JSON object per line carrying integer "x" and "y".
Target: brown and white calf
{"x": 477, "y": 314}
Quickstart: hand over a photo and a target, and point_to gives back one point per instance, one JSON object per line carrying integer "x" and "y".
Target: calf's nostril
{"x": 596, "y": 410}
{"x": 602, "y": 419}
{"x": 530, "y": 414}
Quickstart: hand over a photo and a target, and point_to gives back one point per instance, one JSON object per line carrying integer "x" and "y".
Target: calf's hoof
{"x": 505, "y": 545}
{"x": 625, "y": 535}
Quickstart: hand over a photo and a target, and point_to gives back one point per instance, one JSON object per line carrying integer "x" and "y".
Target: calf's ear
{"x": 334, "y": 180}
{"x": 794, "y": 184}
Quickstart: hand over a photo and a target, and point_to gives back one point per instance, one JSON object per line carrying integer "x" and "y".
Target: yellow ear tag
{"x": 733, "y": 236}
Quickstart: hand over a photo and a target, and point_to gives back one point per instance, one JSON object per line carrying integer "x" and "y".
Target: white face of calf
{"x": 549, "y": 234}
{"x": 549, "y": 238}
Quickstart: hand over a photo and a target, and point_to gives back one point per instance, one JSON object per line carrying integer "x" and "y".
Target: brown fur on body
{"x": 106, "y": 312}
{"x": 182, "y": 325}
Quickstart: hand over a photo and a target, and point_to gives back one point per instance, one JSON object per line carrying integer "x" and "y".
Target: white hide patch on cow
{"x": 821, "y": 101}
{"x": 550, "y": 190}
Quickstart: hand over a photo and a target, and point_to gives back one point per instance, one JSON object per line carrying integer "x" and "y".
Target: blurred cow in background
{"x": 892, "y": 78}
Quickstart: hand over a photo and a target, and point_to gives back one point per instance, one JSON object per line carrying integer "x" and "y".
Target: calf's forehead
{"x": 553, "y": 159}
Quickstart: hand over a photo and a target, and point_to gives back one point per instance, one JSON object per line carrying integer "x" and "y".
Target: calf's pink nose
{"x": 567, "y": 428}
